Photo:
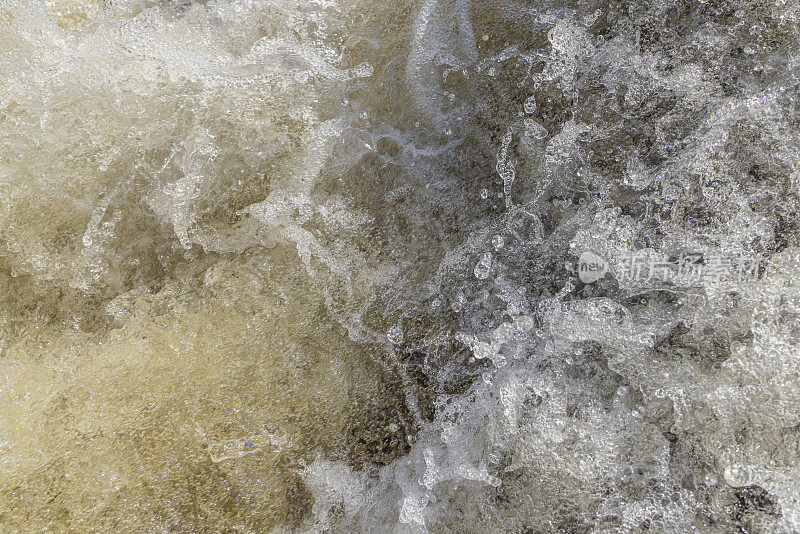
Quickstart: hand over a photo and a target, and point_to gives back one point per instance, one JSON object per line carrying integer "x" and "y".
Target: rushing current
{"x": 400, "y": 266}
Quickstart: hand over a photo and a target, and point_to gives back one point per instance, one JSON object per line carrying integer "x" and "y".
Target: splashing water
{"x": 289, "y": 266}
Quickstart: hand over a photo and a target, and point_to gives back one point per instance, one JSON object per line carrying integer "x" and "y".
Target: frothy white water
{"x": 315, "y": 266}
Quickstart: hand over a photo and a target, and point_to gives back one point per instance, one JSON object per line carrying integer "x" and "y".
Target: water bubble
{"x": 497, "y": 242}
{"x": 364, "y": 70}
{"x": 483, "y": 266}
{"x": 530, "y": 105}
{"x": 534, "y": 129}
{"x": 503, "y": 333}
{"x": 395, "y": 334}
{"x": 525, "y": 323}
{"x": 458, "y": 303}
{"x": 738, "y": 476}
{"x": 482, "y": 350}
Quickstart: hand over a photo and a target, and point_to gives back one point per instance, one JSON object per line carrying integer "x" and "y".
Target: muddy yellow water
{"x": 169, "y": 361}
{"x": 196, "y": 414}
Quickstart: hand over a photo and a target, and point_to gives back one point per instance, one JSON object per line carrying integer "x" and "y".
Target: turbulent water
{"x": 400, "y": 266}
